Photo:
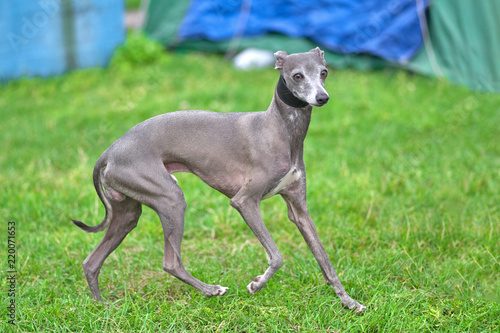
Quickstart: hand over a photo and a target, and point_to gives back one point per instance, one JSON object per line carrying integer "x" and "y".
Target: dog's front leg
{"x": 248, "y": 207}
{"x": 298, "y": 213}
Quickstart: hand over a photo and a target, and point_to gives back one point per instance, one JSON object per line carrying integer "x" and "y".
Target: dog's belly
{"x": 291, "y": 177}
{"x": 225, "y": 182}
{"x": 173, "y": 167}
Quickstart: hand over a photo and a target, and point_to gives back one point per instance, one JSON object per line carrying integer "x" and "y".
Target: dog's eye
{"x": 324, "y": 73}
{"x": 298, "y": 76}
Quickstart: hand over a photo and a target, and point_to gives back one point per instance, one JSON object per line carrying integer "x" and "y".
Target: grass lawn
{"x": 403, "y": 185}
{"x": 132, "y": 4}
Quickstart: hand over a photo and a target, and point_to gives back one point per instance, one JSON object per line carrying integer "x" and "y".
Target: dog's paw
{"x": 354, "y": 306}
{"x": 257, "y": 278}
{"x": 222, "y": 291}
{"x": 216, "y": 291}
{"x": 255, "y": 286}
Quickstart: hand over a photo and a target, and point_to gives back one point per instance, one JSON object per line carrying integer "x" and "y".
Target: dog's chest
{"x": 291, "y": 177}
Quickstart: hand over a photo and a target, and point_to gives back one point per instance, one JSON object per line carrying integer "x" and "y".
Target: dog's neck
{"x": 295, "y": 114}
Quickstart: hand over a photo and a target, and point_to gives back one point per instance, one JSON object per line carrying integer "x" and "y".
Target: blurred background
{"x": 457, "y": 40}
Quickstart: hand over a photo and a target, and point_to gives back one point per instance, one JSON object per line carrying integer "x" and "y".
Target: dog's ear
{"x": 320, "y": 53}
{"x": 280, "y": 59}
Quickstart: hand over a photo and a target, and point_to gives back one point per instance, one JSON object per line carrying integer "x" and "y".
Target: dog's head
{"x": 304, "y": 75}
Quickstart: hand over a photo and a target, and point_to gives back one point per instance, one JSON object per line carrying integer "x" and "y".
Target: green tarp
{"x": 463, "y": 42}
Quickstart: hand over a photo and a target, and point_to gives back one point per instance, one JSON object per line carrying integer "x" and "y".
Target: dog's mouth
{"x": 318, "y": 105}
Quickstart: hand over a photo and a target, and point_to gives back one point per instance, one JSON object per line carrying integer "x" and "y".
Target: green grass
{"x": 133, "y": 4}
{"x": 403, "y": 185}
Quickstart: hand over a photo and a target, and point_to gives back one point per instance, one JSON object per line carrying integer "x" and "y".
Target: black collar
{"x": 287, "y": 96}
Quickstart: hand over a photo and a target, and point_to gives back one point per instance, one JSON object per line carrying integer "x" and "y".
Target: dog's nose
{"x": 322, "y": 98}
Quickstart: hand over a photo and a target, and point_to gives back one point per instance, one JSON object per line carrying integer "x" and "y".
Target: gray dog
{"x": 247, "y": 156}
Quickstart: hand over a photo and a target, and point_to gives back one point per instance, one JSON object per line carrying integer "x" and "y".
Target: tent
{"x": 446, "y": 38}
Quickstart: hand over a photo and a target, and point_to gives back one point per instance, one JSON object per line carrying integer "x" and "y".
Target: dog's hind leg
{"x": 167, "y": 200}
{"x": 124, "y": 217}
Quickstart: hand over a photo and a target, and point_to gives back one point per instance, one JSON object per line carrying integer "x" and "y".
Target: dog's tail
{"x": 100, "y": 164}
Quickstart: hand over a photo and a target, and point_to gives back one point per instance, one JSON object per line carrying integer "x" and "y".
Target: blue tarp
{"x": 389, "y": 29}
{"x": 49, "y": 37}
